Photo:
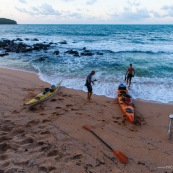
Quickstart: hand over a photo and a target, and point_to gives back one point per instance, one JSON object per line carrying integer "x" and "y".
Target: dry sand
{"x": 49, "y": 137}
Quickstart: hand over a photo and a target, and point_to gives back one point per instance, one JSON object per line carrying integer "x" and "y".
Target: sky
{"x": 88, "y": 11}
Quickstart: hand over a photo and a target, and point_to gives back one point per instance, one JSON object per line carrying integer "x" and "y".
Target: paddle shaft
{"x": 120, "y": 156}
{"x": 102, "y": 140}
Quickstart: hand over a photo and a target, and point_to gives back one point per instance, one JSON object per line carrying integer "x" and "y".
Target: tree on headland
{"x": 7, "y": 21}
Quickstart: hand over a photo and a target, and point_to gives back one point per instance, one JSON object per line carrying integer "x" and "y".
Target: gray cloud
{"x": 168, "y": 10}
{"x": 67, "y": 0}
{"x": 133, "y": 3}
{"x": 155, "y": 14}
{"x": 23, "y": 1}
{"x": 128, "y": 16}
{"x": 90, "y": 2}
{"x": 74, "y": 15}
{"x": 44, "y": 9}
{"x": 47, "y": 9}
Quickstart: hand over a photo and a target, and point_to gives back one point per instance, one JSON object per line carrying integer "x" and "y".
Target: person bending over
{"x": 88, "y": 84}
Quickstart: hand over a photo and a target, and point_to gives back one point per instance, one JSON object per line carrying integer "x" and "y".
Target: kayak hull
{"x": 127, "y": 108}
{"x": 42, "y": 97}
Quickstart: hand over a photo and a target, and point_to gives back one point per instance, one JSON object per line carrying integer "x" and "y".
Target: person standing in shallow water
{"x": 129, "y": 74}
{"x": 88, "y": 84}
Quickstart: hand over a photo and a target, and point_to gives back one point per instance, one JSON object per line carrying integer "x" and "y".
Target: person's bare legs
{"x": 88, "y": 96}
{"x": 129, "y": 82}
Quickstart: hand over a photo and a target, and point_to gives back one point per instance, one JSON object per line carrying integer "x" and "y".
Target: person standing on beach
{"x": 129, "y": 74}
{"x": 88, "y": 84}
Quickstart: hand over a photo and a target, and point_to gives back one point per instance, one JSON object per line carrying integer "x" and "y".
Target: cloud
{"x": 47, "y": 9}
{"x": 23, "y": 1}
{"x": 67, "y": 0}
{"x": 156, "y": 14}
{"x": 128, "y": 16}
{"x": 73, "y": 15}
{"x": 133, "y": 3}
{"x": 90, "y": 2}
{"x": 168, "y": 10}
{"x": 44, "y": 9}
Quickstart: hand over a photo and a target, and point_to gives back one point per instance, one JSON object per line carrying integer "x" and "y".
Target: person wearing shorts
{"x": 88, "y": 84}
{"x": 129, "y": 73}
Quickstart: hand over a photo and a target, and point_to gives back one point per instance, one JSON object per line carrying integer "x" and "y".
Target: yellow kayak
{"x": 46, "y": 94}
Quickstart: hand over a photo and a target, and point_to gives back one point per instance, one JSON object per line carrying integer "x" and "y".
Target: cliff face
{"x": 7, "y": 21}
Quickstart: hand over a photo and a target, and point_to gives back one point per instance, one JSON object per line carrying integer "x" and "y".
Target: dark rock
{"x": 98, "y": 53}
{"x": 72, "y": 52}
{"x": 42, "y": 58}
{"x": 86, "y": 53}
{"x": 56, "y": 52}
{"x": 40, "y": 46}
{"x": 27, "y": 39}
{"x": 35, "y": 39}
{"x": 19, "y": 39}
{"x": 3, "y": 54}
{"x": 63, "y": 42}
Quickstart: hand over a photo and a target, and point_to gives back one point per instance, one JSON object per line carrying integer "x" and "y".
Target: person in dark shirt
{"x": 88, "y": 84}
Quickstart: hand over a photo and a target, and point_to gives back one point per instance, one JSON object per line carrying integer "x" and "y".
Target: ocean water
{"x": 148, "y": 47}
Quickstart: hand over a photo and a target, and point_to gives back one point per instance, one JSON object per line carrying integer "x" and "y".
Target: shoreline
{"x": 50, "y": 137}
{"x": 35, "y": 73}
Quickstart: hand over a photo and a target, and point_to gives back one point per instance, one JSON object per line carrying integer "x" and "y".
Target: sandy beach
{"x": 49, "y": 138}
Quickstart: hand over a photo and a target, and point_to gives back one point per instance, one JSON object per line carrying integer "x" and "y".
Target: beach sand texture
{"x": 49, "y": 138}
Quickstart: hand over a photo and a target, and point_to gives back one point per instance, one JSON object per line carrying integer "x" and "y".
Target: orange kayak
{"x": 125, "y": 102}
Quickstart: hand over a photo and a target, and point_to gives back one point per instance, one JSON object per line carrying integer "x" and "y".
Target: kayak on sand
{"x": 46, "y": 94}
{"x": 125, "y": 103}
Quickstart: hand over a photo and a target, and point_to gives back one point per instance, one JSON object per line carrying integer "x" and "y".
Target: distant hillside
{"x": 7, "y": 21}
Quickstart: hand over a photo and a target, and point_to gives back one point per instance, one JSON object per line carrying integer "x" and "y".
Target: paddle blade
{"x": 120, "y": 156}
{"x": 87, "y": 127}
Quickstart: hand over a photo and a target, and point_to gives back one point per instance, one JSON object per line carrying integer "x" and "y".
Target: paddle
{"x": 120, "y": 156}
{"x": 94, "y": 81}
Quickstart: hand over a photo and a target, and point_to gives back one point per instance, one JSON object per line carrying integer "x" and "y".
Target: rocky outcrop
{"x": 7, "y": 21}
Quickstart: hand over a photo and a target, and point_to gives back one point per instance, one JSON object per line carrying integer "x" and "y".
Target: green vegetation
{"x": 7, "y": 21}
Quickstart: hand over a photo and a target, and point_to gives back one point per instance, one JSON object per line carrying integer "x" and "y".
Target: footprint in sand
{"x": 69, "y": 105}
{"x": 17, "y": 131}
{"x": 47, "y": 169}
{"x": 6, "y": 126}
{"x": 79, "y": 113}
{"x": 59, "y": 156}
{"x": 45, "y": 121}
{"x": 58, "y": 107}
{"x": 42, "y": 114}
{"x": 15, "y": 112}
{"x": 53, "y": 153}
{"x": 11, "y": 170}
{"x": 6, "y": 164}
{"x": 4, "y": 138}
{"x": 60, "y": 99}
{"x": 28, "y": 140}
{"x": 65, "y": 95}
{"x": 53, "y": 100}
{"x": 4, "y": 147}
{"x": 32, "y": 123}
{"x": 74, "y": 109}
{"x": 3, "y": 157}
{"x": 45, "y": 132}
